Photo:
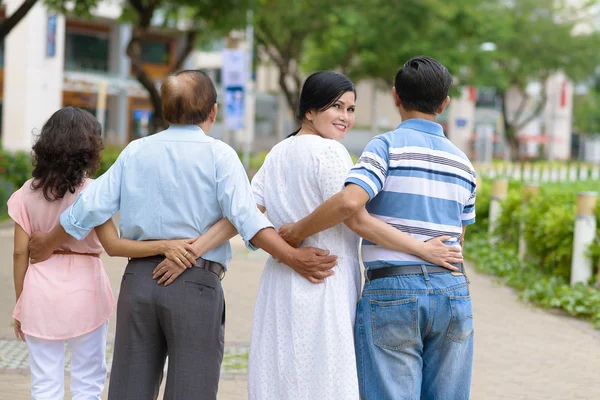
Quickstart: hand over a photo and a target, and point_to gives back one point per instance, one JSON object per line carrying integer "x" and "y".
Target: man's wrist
{"x": 421, "y": 250}
{"x": 162, "y": 247}
{"x": 296, "y": 232}
{"x": 289, "y": 256}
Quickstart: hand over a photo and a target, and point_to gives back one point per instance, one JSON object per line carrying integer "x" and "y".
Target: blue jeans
{"x": 414, "y": 338}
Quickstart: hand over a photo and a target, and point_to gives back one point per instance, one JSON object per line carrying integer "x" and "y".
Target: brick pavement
{"x": 520, "y": 352}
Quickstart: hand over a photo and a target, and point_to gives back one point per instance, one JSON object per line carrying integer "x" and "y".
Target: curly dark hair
{"x": 67, "y": 148}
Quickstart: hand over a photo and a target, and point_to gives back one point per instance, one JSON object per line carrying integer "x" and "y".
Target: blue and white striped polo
{"x": 418, "y": 182}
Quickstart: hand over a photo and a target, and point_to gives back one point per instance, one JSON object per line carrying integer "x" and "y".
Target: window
{"x": 156, "y": 52}
{"x": 86, "y": 52}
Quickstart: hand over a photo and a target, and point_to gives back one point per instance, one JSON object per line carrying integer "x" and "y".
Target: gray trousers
{"x": 185, "y": 320}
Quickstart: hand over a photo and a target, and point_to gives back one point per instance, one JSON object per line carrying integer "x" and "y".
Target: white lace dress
{"x": 302, "y": 345}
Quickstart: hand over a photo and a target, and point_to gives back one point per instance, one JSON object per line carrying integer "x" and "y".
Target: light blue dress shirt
{"x": 175, "y": 184}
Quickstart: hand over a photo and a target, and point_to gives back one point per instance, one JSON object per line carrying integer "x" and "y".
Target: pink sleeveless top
{"x": 67, "y": 295}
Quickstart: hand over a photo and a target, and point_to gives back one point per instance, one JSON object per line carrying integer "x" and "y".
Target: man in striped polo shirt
{"x": 414, "y": 323}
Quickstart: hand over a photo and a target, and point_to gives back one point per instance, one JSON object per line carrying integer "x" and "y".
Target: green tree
{"x": 533, "y": 39}
{"x": 372, "y": 39}
{"x": 282, "y": 29}
{"x": 202, "y": 18}
{"x": 586, "y": 111}
{"x": 364, "y": 38}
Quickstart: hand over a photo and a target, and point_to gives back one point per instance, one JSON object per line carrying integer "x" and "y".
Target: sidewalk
{"x": 520, "y": 352}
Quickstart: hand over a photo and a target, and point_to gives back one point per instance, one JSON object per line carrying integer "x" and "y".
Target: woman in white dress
{"x": 302, "y": 345}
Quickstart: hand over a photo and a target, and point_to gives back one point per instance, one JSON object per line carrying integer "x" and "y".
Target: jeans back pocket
{"x": 461, "y": 322}
{"x": 395, "y": 323}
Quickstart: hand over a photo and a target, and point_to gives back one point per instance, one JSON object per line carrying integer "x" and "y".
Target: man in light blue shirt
{"x": 173, "y": 185}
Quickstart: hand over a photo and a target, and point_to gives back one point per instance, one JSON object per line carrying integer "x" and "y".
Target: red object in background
{"x": 472, "y": 93}
{"x": 563, "y": 94}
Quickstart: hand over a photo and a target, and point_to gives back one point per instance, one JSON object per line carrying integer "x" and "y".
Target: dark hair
{"x": 68, "y": 146}
{"x": 187, "y": 97}
{"x": 422, "y": 84}
{"x": 320, "y": 91}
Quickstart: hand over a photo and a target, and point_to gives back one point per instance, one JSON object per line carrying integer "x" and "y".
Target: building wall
{"x": 32, "y": 79}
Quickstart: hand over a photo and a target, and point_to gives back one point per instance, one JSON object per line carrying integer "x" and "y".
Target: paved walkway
{"x": 521, "y": 352}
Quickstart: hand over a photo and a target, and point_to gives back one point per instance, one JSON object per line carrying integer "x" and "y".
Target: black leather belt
{"x": 385, "y": 272}
{"x": 211, "y": 266}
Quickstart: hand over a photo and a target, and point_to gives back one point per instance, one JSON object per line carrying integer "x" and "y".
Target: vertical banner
{"x": 51, "y": 36}
{"x": 234, "y": 80}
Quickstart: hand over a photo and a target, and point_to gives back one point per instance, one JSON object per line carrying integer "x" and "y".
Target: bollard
{"x": 499, "y": 191}
{"x": 585, "y": 233}
{"x": 530, "y": 190}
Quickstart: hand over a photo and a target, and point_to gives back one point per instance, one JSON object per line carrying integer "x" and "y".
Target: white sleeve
{"x": 258, "y": 186}
{"x": 334, "y": 164}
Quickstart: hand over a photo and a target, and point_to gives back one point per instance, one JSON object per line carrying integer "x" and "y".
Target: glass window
{"x": 86, "y": 52}
{"x": 1, "y": 53}
{"x": 156, "y": 52}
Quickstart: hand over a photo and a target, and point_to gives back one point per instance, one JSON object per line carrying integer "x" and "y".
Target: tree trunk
{"x": 134, "y": 51}
{"x": 510, "y": 135}
{"x": 291, "y": 94}
{"x": 9, "y": 23}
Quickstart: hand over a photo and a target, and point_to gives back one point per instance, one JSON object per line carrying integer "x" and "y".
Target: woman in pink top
{"x": 68, "y": 298}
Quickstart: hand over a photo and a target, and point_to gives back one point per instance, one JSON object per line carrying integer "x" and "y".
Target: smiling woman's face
{"x": 337, "y": 120}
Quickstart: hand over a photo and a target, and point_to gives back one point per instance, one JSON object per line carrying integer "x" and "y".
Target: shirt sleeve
{"x": 98, "y": 202}
{"x": 334, "y": 164}
{"x": 371, "y": 169}
{"x": 258, "y": 187}
{"x": 235, "y": 196}
{"x": 16, "y": 211}
{"x": 468, "y": 214}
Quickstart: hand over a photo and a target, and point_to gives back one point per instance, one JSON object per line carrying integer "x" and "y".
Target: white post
{"x": 101, "y": 104}
{"x": 554, "y": 174}
{"x": 573, "y": 173}
{"x": 500, "y": 170}
{"x": 595, "y": 173}
{"x": 585, "y": 233}
{"x": 583, "y": 173}
{"x": 517, "y": 172}
{"x": 499, "y": 191}
{"x": 527, "y": 172}
{"x": 545, "y": 173}
{"x": 250, "y": 99}
{"x": 529, "y": 190}
{"x": 536, "y": 173}
{"x": 563, "y": 173}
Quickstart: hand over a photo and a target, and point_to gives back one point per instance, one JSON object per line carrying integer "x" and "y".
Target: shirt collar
{"x": 423, "y": 125}
{"x": 182, "y": 132}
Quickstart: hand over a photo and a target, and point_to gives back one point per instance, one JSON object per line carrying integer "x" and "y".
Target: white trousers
{"x": 88, "y": 366}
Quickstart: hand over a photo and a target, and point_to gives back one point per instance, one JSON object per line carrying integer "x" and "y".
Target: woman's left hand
{"x": 18, "y": 332}
{"x": 180, "y": 251}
